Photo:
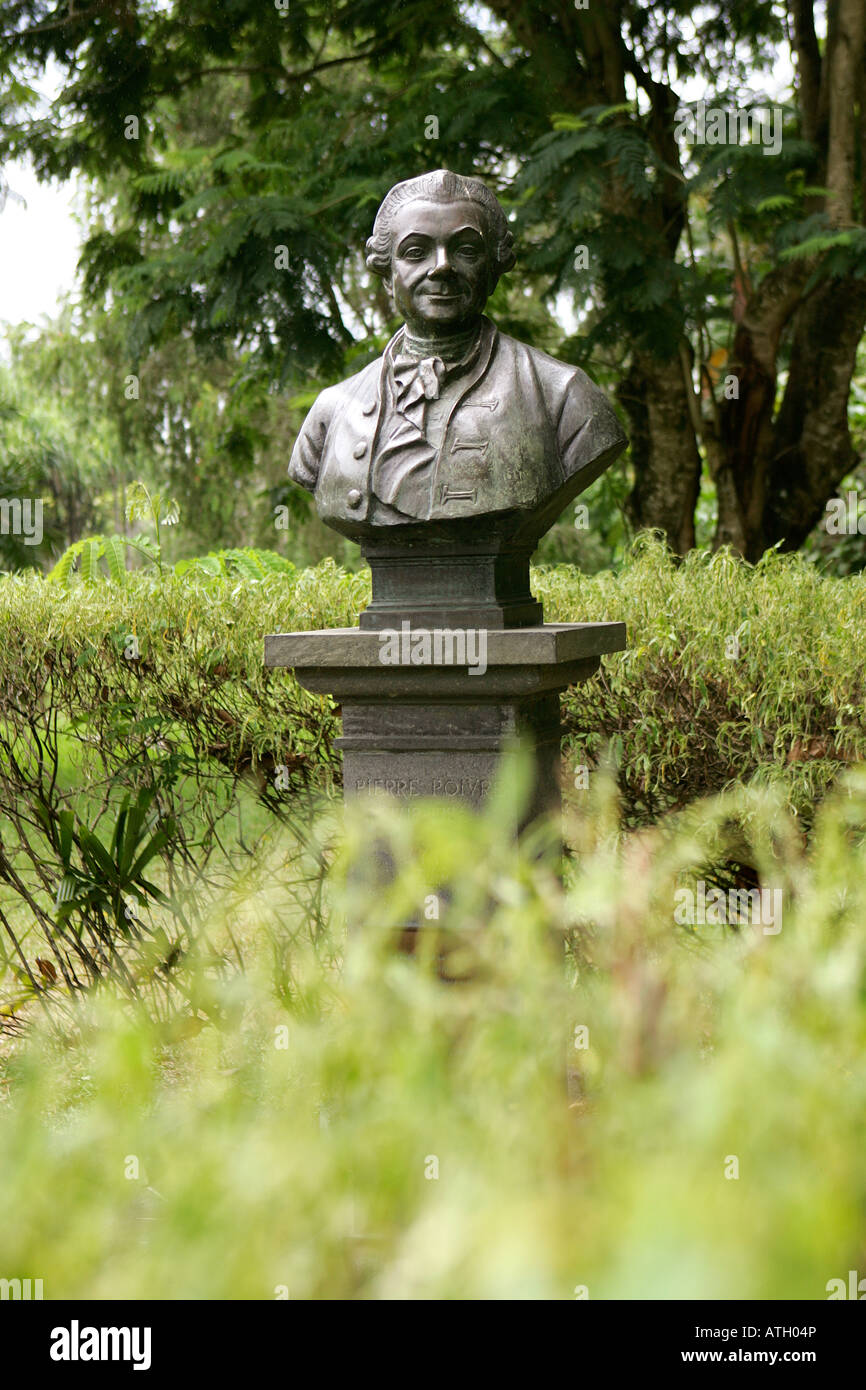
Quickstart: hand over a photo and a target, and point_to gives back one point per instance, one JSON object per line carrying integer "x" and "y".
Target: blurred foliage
{"x": 79, "y": 422}
{"x": 336, "y": 1122}
{"x": 44, "y": 459}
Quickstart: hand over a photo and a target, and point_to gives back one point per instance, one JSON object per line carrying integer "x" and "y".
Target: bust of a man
{"x": 455, "y": 422}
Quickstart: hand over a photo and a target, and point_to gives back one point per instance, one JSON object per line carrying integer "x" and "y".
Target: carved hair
{"x": 441, "y": 186}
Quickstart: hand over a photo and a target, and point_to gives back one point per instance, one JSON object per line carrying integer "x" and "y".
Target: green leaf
{"x": 96, "y": 855}
{"x": 202, "y": 564}
{"x": 776, "y": 203}
{"x": 90, "y": 559}
{"x": 114, "y": 550}
{"x": 66, "y": 819}
{"x": 139, "y": 506}
{"x": 814, "y": 245}
{"x": 157, "y": 843}
{"x": 610, "y": 111}
{"x": 563, "y": 120}
{"x": 62, "y": 571}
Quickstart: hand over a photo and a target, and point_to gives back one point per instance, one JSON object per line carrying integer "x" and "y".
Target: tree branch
{"x": 808, "y": 67}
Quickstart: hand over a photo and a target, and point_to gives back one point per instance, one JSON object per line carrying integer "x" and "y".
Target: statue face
{"x": 439, "y": 266}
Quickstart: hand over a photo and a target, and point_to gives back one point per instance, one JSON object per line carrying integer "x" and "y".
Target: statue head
{"x": 440, "y": 243}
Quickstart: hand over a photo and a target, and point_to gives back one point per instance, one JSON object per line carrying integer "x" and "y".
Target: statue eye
{"x": 413, "y": 253}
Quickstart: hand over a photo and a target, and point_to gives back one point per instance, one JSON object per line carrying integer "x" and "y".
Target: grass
{"x": 349, "y": 1126}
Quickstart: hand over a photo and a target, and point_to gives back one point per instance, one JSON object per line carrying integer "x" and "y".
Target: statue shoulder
{"x": 550, "y": 371}
{"x": 332, "y": 398}
{"x": 585, "y": 420}
{"x": 306, "y": 458}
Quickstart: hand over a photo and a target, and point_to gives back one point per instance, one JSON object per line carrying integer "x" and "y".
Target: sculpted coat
{"x": 417, "y": 438}
{"x": 520, "y": 425}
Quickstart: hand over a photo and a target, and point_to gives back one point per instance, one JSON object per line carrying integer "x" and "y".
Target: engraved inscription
{"x": 460, "y": 786}
{"x": 396, "y": 786}
{"x": 470, "y": 788}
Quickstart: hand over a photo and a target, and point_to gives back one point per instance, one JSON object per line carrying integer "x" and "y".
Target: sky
{"x": 39, "y": 245}
{"x": 39, "y": 237}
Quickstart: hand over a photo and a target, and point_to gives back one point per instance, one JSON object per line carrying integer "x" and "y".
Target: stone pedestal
{"x": 432, "y": 728}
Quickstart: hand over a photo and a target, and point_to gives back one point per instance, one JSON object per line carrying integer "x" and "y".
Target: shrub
{"x": 733, "y": 673}
{"x": 155, "y": 685}
{"x": 150, "y": 689}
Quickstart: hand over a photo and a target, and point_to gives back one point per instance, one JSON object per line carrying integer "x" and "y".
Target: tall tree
{"x": 722, "y": 283}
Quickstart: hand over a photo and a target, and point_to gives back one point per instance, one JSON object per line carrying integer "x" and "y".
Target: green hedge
{"x": 151, "y": 695}
{"x": 682, "y": 716}
{"x": 144, "y": 752}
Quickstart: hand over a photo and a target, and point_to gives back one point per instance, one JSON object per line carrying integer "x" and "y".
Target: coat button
{"x": 360, "y": 450}
{"x": 353, "y": 497}
{"x": 368, "y": 408}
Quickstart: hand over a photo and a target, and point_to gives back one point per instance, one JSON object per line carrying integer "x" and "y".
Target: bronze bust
{"x": 447, "y": 459}
{"x": 455, "y": 422}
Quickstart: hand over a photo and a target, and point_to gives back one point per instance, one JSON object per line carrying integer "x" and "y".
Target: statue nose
{"x": 443, "y": 263}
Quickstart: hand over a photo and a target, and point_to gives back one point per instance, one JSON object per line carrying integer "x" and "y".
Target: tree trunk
{"x": 663, "y": 450}
{"x": 745, "y": 430}
{"x": 779, "y": 474}
{"x": 812, "y": 443}
{"x": 773, "y": 473}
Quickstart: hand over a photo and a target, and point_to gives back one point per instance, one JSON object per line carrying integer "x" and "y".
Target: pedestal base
{"x": 449, "y": 750}
{"x": 428, "y": 728}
